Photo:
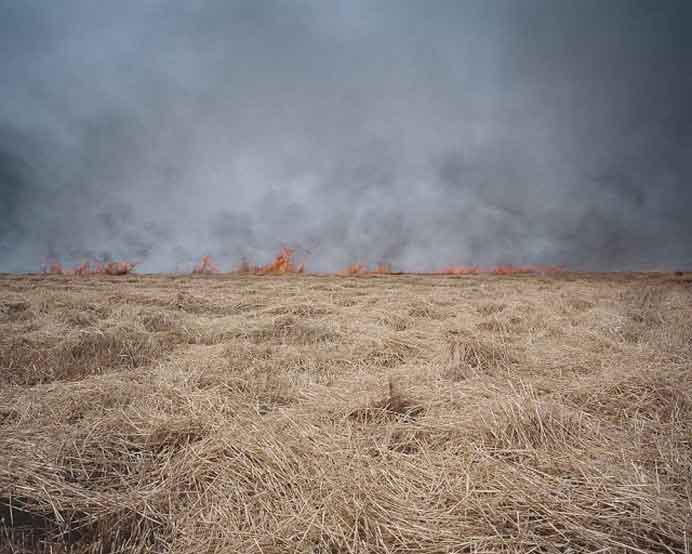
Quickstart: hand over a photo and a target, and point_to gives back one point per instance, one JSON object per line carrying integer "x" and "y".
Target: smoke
{"x": 420, "y": 134}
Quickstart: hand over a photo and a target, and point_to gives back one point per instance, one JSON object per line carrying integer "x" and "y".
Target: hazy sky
{"x": 419, "y": 133}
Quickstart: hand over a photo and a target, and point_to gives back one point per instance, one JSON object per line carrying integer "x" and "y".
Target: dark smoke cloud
{"x": 417, "y": 133}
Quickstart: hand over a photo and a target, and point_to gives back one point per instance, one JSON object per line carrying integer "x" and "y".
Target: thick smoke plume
{"x": 419, "y": 134}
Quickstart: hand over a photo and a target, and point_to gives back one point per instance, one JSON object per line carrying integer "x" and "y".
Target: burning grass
{"x": 363, "y": 269}
{"x": 283, "y": 263}
{"x": 206, "y": 266}
{"x": 325, "y": 414}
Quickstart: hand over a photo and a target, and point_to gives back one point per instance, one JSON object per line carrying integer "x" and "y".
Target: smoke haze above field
{"x": 417, "y": 133}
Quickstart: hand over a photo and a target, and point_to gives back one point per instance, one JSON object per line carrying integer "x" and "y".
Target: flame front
{"x": 284, "y": 263}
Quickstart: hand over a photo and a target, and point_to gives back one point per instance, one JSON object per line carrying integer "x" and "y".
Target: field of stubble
{"x": 315, "y": 414}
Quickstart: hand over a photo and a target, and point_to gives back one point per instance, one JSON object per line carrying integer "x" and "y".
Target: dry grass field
{"x": 316, "y": 414}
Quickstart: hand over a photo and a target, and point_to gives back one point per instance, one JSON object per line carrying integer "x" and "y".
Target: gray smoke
{"x": 416, "y": 133}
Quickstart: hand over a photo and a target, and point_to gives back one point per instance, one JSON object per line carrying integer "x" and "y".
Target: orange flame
{"x": 83, "y": 269}
{"x": 116, "y": 268}
{"x": 363, "y": 269}
{"x": 53, "y": 267}
{"x": 283, "y": 263}
{"x": 383, "y": 269}
{"x": 206, "y": 266}
{"x": 355, "y": 269}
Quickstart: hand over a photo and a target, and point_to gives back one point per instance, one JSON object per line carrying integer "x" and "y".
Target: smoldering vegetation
{"x": 345, "y": 414}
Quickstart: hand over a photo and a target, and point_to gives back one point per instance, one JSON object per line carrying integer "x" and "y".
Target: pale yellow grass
{"x": 314, "y": 414}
